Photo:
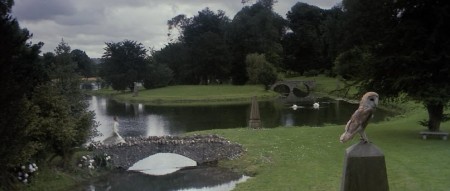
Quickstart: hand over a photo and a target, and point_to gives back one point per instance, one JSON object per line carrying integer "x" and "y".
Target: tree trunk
{"x": 435, "y": 113}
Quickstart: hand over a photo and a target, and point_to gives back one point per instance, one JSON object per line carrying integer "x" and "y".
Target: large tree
{"x": 72, "y": 125}
{"x": 255, "y": 29}
{"x": 304, "y": 45}
{"x": 85, "y": 66}
{"x": 124, "y": 63}
{"x": 207, "y": 56}
{"x": 30, "y": 86}
{"x": 410, "y": 50}
{"x": 20, "y": 73}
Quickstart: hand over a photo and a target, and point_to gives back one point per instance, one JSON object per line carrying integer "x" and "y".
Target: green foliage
{"x": 260, "y": 71}
{"x": 124, "y": 63}
{"x": 85, "y": 66}
{"x": 159, "y": 75}
{"x": 408, "y": 45}
{"x": 304, "y": 45}
{"x": 39, "y": 116}
{"x": 353, "y": 63}
{"x": 202, "y": 53}
{"x": 20, "y": 74}
{"x": 255, "y": 29}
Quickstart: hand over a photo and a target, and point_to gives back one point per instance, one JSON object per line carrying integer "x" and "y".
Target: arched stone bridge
{"x": 200, "y": 148}
{"x": 298, "y": 88}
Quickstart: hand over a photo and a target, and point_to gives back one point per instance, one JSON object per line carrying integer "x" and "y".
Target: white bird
{"x": 316, "y": 105}
{"x": 359, "y": 119}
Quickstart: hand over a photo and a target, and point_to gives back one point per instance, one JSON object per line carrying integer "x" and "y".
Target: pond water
{"x": 160, "y": 173}
{"x": 143, "y": 120}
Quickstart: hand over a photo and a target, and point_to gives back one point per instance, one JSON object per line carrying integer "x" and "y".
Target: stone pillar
{"x": 255, "y": 119}
{"x": 364, "y": 169}
{"x": 135, "y": 90}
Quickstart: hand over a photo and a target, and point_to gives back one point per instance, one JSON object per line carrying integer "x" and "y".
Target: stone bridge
{"x": 200, "y": 148}
{"x": 297, "y": 88}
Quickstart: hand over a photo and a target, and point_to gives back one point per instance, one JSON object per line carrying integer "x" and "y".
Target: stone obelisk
{"x": 255, "y": 120}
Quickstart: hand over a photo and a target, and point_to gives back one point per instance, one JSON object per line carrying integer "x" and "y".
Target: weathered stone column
{"x": 364, "y": 169}
{"x": 135, "y": 89}
{"x": 255, "y": 120}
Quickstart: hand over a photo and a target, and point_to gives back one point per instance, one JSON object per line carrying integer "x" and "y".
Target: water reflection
{"x": 162, "y": 164}
{"x": 211, "y": 178}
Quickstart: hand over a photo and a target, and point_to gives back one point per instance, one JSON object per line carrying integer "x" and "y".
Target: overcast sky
{"x": 88, "y": 24}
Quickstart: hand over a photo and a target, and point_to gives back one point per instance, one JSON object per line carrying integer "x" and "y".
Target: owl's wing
{"x": 359, "y": 119}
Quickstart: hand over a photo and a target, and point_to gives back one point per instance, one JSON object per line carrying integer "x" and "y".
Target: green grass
{"x": 304, "y": 158}
{"x": 193, "y": 94}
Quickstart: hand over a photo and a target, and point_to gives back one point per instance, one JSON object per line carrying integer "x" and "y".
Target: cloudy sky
{"x": 88, "y": 24}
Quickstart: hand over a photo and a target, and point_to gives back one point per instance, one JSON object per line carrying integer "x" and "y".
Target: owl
{"x": 359, "y": 119}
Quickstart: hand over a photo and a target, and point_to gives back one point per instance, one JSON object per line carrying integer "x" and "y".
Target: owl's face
{"x": 370, "y": 99}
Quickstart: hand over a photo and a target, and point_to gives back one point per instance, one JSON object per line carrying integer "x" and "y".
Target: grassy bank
{"x": 299, "y": 158}
{"x": 192, "y": 94}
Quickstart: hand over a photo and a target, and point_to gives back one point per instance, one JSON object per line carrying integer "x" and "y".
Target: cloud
{"x": 88, "y": 24}
{"x": 43, "y": 9}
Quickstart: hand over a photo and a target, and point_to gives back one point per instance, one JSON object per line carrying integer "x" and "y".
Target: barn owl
{"x": 359, "y": 119}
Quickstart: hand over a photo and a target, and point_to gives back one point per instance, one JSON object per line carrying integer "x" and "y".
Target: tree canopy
{"x": 409, "y": 47}
{"x": 42, "y": 112}
{"x": 123, "y": 64}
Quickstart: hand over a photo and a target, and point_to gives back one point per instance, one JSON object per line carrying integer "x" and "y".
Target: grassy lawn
{"x": 193, "y": 94}
{"x": 303, "y": 158}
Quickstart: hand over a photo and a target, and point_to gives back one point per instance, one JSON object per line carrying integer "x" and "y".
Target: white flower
{"x": 91, "y": 161}
{"x": 34, "y": 165}
{"x": 25, "y": 175}
{"x": 25, "y": 180}
{"x": 20, "y": 178}
{"x": 23, "y": 167}
{"x": 80, "y": 165}
{"x": 84, "y": 158}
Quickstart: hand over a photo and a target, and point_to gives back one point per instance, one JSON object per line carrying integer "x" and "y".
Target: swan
{"x": 316, "y": 105}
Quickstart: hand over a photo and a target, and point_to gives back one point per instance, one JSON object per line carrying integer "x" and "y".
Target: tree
{"x": 174, "y": 55}
{"x": 73, "y": 123}
{"x": 260, "y": 71}
{"x": 20, "y": 73}
{"x": 124, "y": 63}
{"x": 255, "y": 29}
{"x": 207, "y": 54}
{"x": 23, "y": 134}
{"x": 159, "y": 75}
{"x": 85, "y": 66}
{"x": 305, "y": 45}
{"x": 410, "y": 46}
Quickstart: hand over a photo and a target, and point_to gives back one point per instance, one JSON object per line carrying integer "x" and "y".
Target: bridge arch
{"x": 297, "y": 88}
{"x": 200, "y": 148}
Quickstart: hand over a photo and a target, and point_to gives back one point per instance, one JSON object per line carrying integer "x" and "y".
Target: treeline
{"x": 212, "y": 48}
{"x": 43, "y": 113}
